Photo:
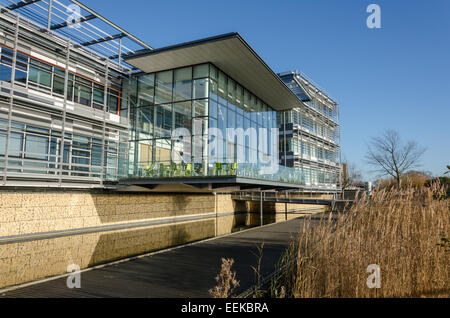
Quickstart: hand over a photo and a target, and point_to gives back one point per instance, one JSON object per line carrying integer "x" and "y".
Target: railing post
{"x": 261, "y": 209}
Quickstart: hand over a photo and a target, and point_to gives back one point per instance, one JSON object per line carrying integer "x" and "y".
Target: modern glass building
{"x": 310, "y": 134}
{"x": 86, "y": 104}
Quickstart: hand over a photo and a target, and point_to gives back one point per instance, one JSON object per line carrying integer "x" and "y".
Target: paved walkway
{"x": 184, "y": 272}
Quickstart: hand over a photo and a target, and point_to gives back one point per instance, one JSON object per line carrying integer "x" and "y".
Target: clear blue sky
{"x": 394, "y": 77}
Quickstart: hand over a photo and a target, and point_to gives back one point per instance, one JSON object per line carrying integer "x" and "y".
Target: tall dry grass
{"x": 400, "y": 231}
{"x": 226, "y": 281}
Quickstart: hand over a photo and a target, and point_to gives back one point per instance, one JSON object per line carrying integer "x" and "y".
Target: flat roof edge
{"x": 183, "y": 45}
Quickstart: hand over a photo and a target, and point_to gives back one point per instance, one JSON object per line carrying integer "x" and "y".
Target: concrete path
{"x": 184, "y": 272}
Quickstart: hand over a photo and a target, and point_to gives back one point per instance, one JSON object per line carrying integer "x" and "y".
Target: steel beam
{"x": 65, "y": 24}
{"x": 101, "y": 40}
{"x": 129, "y": 35}
{"x": 20, "y": 4}
{"x": 49, "y": 19}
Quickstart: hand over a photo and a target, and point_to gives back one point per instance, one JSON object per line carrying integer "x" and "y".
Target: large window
{"x": 98, "y": 96}
{"x": 113, "y": 100}
{"x": 82, "y": 91}
{"x": 163, "y": 93}
{"x": 182, "y": 113}
{"x": 163, "y": 122}
{"x": 146, "y": 89}
{"x": 36, "y": 147}
{"x": 201, "y": 87}
{"x": 5, "y": 73}
{"x": 40, "y": 74}
{"x": 182, "y": 89}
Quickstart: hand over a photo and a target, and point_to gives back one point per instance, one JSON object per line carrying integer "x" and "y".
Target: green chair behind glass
{"x": 218, "y": 169}
{"x": 149, "y": 170}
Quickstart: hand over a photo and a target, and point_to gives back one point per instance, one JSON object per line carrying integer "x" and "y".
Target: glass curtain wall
{"x": 195, "y": 120}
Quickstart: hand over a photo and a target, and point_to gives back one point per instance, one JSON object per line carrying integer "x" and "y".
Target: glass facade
{"x": 196, "y": 120}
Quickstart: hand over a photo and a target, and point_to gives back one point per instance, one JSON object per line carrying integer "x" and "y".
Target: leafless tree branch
{"x": 390, "y": 156}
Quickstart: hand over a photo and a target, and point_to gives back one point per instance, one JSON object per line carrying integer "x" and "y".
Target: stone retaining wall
{"x": 108, "y": 227}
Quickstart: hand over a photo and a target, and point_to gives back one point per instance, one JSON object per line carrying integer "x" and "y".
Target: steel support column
{"x": 11, "y": 97}
{"x": 49, "y": 19}
{"x": 63, "y": 123}
{"x": 105, "y": 104}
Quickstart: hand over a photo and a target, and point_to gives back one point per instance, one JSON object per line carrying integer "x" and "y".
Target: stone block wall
{"x": 109, "y": 226}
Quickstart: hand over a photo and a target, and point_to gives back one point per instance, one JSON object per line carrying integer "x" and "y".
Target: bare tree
{"x": 390, "y": 156}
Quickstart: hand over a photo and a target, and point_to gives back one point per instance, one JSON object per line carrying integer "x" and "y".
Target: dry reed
{"x": 226, "y": 281}
{"x": 400, "y": 231}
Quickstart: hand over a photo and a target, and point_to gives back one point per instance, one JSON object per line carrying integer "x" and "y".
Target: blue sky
{"x": 394, "y": 77}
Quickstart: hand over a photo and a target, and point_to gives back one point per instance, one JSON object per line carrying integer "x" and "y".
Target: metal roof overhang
{"x": 229, "y": 52}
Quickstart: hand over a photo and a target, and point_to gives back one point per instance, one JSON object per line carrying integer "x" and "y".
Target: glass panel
{"x": 2, "y": 142}
{"x": 212, "y": 109}
{"x": 21, "y": 77}
{"x": 213, "y": 72}
{"x": 96, "y": 155}
{"x": 22, "y": 62}
{"x": 58, "y": 85}
{"x": 163, "y": 149}
{"x": 163, "y": 125}
{"x": 183, "y": 84}
{"x": 200, "y": 107}
{"x": 145, "y": 151}
{"x": 199, "y": 153}
{"x": 98, "y": 96}
{"x": 15, "y": 144}
{"x": 144, "y": 124}
{"x": 222, "y": 119}
{"x": 183, "y": 115}
{"x": 83, "y": 91}
{"x": 213, "y": 89}
{"x": 201, "y": 71}
{"x": 222, "y": 88}
{"x": 40, "y": 73}
{"x": 5, "y": 73}
{"x": 163, "y": 87}
{"x": 231, "y": 91}
{"x": 239, "y": 96}
{"x": 200, "y": 126}
{"x": 36, "y": 147}
{"x": 146, "y": 88}
{"x": 201, "y": 88}
{"x": 113, "y": 101}
{"x": 231, "y": 119}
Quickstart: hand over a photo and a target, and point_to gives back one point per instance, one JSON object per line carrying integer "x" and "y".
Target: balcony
{"x": 241, "y": 175}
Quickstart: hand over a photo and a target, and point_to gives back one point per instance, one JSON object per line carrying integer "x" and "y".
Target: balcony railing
{"x": 277, "y": 173}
